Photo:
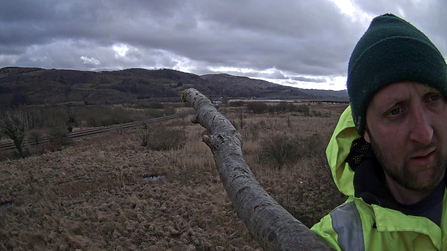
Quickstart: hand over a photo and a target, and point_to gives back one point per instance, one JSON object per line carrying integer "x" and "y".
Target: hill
{"x": 52, "y": 86}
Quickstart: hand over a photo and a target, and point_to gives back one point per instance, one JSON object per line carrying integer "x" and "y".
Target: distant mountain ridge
{"x": 20, "y": 85}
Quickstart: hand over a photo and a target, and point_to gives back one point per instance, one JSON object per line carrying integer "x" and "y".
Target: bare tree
{"x": 13, "y": 124}
{"x": 269, "y": 223}
{"x": 36, "y": 137}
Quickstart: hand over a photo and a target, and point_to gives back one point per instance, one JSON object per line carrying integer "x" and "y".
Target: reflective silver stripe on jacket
{"x": 347, "y": 224}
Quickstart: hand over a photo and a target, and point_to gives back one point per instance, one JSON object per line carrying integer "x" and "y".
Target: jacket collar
{"x": 369, "y": 184}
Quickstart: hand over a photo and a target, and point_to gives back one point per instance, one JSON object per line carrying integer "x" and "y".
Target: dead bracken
{"x": 93, "y": 195}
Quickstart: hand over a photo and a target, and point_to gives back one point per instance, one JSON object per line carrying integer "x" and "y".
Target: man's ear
{"x": 366, "y": 135}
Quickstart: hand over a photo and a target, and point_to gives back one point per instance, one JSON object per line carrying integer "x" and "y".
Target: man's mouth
{"x": 424, "y": 158}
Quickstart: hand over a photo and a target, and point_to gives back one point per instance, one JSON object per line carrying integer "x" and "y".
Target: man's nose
{"x": 421, "y": 128}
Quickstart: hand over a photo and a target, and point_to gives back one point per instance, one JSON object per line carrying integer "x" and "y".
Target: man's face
{"x": 406, "y": 126}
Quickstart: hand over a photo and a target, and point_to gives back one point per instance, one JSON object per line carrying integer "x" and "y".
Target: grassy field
{"x": 112, "y": 193}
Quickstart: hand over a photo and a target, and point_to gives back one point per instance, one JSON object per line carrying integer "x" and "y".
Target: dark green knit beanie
{"x": 391, "y": 50}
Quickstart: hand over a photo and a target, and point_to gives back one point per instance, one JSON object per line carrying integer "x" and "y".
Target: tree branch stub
{"x": 269, "y": 223}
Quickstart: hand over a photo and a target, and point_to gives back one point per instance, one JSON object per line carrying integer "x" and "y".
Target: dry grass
{"x": 111, "y": 193}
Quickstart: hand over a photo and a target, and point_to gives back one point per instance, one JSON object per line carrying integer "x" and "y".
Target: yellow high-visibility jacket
{"x": 357, "y": 225}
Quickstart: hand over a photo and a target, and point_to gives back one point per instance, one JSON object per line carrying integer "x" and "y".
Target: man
{"x": 388, "y": 152}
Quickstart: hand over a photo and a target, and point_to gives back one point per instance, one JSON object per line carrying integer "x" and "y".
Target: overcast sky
{"x": 301, "y": 43}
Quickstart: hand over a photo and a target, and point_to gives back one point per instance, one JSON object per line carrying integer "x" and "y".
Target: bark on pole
{"x": 269, "y": 223}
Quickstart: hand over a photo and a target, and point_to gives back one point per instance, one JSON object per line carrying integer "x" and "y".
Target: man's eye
{"x": 395, "y": 111}
{"x": 435, "y": 97}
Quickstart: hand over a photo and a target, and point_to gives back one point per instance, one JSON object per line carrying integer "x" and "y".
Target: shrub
{"x": 241, "y": 120}
{"x": 92, "y": 120}
{"x": 59, "y": 137}
{"x": 281, "y": 149}
{"x": 151, "y": 105}
{"x": 280, "y": 107}
{"x": 236, "y": 103}
{"x": 164, "y": 139}
{"x": 311, "y": 146}
{"x": 254, "y": 131}
{"x": 283, "y": 107}
{"x": 168, "y": 111}
{"x": 257, "y": 107}
{"x": 304, "y": 109}
{"x": 14, "y": 124}
{"x": 144, "y": 135}
{"x": 291, "y": 107}
{"x": 36, "y": 137}
{"x": 107, "y": 115}
{"x": 320, "y": 189}
{"x": 235, "y": 124}
{"x": 321, "y": 114}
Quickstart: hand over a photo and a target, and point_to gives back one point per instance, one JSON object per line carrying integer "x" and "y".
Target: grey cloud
{"x": 294, "y": 37}
{"x": 271, "y": 74}
{"x": 429, "y": 16}
{"x": 231, "y": 34}
{"x": 305, "y": 79}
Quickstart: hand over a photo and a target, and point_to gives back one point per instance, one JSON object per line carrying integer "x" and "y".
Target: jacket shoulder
{"x": 338, "y": 150}
{"x": 342, "y": 228}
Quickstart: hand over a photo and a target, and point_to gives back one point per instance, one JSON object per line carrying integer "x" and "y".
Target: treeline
{"x": 91, "y": 116}
{"x": 281, "y": 107}
{"x": 144, "y": 89}
{"x": 33, "y": 122}
{"x": 12, "y": 98}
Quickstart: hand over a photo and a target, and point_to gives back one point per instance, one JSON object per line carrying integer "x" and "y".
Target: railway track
{"x": 100, "y": 130}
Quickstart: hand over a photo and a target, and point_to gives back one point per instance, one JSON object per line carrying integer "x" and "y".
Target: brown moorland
{"x": 111, "y": 193}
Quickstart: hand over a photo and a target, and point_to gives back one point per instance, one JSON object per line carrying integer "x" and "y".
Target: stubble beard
{"x": 407, "y": 177}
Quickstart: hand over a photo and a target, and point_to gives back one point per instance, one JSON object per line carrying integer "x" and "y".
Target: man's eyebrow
{"x": 431, "y": 88}
{"x": 391, "y": 100}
